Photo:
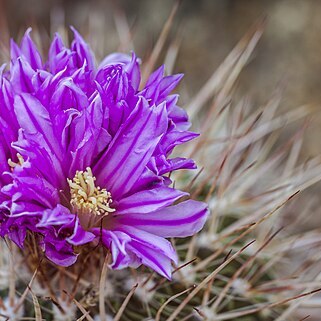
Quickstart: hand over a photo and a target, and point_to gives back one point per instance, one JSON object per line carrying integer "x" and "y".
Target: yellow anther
{"x": 86, "y": 198}
{"x": 13, "y": 164}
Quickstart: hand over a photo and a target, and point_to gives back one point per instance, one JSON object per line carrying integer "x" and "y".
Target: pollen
{"x": 13, "y": 164}
{"x": 86, "y": 197}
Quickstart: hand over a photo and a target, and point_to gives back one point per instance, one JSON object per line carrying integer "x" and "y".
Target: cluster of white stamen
{"x": 88, "y": 198}
{"x": 13, "y": 164}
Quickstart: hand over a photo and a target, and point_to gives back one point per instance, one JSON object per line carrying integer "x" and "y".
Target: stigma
{"x": 87, "y": 198}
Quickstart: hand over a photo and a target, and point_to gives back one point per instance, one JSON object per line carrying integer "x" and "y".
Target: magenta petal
{"x": 152, "y": 258}
{"x": 80, "y": 236}
{"x": 22, "y": 76}
{"x": 56, "y": 47}
{"x": 174, "y": 138}
{"x": 182, "y": 220}
{"x": 38, "y": 194}
{"x": 114, "y": 59}
{"x": 60, "y": 215}
{"x": 18, "y": 236}
{"x": 62, "y": 257}
{"x": 177, "y": 114}
{"x": 168, "y": 165}
{"x": 30, "y": 51}
{"x": 152, "y": 250}
{"x": 167, "y": 84}
{"x": 87, "y": 138}
{"x": 133, "y": 72}
{"x": 4, "y": 167}
{"x": 131, "y": 149}
{"x": 82, "y": 50}
{"x": 34, "y": 119}
{"x": 59, "y": 56}
{"x": 150, "y": 240}
{"x": 149, "y": 200}
{"x": 15, "y": 51}
{"x": 155, "y": 77}
{"x": 117, "y": 242}
{"x": 45, "y": 164}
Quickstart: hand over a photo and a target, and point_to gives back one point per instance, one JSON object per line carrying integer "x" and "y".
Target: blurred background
{"x": 205, "y": 32}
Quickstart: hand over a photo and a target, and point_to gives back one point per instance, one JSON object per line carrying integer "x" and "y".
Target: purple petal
{"x": 87, "y": 138}
{"x": 149, "y": 200}
{"x": 182, "y": 220}
{"x": 117, "y": 241}
{"x": 130, "y": 150}
{"x": 153, "y": 251}
{"x": 34, "y": 120}
{"x": 15, "y": 51}
{"x": 155, "y": 77}
{"x": 30, "y": 51}
{"x": 83, "y": 51}
{"x": 150, "y": 240}
{"x": 18, "y": 235}
{"x": 133, "y": 72}
{"x": 177, "y": 114}
{"x": 21, "y": 76}
{"x": 147, "y": 180}
{"x": 174, "y": 138}
{"x": 169, "y": 165}
{"x": 55, "y": 49}
{"x": 30, "y": 192}
{"x": 45, "y": 163}
{"x": 80, "y": 236}
{"x": 168, "y": 84}
{"x": 62, "y": 257}
{"x": 60, "y": 215}
{"x": 114, "y": 59}
{"x": 152, "y": 258}
{"x": 4, "y": 167}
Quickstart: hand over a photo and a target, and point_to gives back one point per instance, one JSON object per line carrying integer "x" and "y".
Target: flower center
{"x": 86, "y": 198}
